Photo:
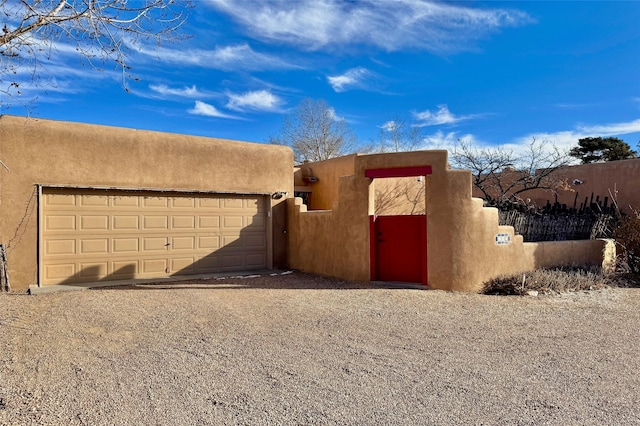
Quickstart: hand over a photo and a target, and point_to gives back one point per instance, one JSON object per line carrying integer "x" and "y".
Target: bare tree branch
{"x": 315, "y": 133}
{"x": 398, "y": 134}
{"x": 503, "y": 175}
{"x": 33, "y": 31}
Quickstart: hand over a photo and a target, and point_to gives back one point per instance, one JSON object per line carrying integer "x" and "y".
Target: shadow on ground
{"x": 282, "y": 280}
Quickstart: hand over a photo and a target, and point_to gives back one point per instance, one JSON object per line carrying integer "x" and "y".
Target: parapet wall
{"x": 465, "y": 244}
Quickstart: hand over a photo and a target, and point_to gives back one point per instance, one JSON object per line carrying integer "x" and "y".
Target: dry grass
{"x": 550, "y": 281}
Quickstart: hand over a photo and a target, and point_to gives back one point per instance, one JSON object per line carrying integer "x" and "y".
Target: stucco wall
{"x": 618, "y": 178}
{"x": 614, "y": 179}
{"x": 328, "y": 173}
{"x": 49, "y": 152}
{"x": 462, "y": 252}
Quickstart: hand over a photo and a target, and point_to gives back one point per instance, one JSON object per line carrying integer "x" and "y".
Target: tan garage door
{"x": 92, "y": 235}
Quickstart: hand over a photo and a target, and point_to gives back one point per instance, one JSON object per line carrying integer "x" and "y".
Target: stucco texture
{"x": 617, "y": 180}
{"x": 574, "y": 185}
{"x": 462, "y": 251}
{"x": 55, "y": 153}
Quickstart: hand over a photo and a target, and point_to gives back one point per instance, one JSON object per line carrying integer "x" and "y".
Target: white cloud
{"x": 185, "y": 92}
{"x": 572, "y": 105}
{"x": 562, "y": 140}
{"x": 441, "y": 140}
{"x": 441, "y": 116}
{"x": 225, "y": 58}
{"x": 390, "y": 25}
{"x": 352, "y": 79}
{"x": 261, "y": 100}
{"x": 202, "y": 108}
{"x": 568, "y": 138}
{"x": 334, "y": 116}
{"x": 612, "y": 129}
{"x": 389, "y": 126}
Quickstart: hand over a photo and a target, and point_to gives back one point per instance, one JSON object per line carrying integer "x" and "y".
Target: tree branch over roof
{"x": 504, "y": 175}
{"x": 32, "y": 32}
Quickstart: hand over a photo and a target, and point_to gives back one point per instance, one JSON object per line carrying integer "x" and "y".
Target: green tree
{"x": 596, "y": 150}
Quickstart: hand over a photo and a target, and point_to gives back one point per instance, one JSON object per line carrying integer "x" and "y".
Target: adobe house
{"x": 85, "y": 203}
{"x": 456, "y": 245}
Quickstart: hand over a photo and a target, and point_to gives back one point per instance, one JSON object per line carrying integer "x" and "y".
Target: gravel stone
{"x": 302, "y": 349}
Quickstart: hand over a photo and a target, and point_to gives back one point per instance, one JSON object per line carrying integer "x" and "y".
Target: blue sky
{"x": 487, "y": 72}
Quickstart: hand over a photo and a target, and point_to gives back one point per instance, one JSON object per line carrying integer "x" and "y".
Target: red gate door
{"x": 400, "y": 245}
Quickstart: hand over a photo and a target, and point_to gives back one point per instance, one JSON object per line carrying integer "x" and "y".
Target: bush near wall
{"x": 627, "y": 235}
{"x": 549, "y": 281}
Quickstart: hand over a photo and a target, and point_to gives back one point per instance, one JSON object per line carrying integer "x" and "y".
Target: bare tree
{"x": 503, "y": 175}
{"x": 398, "y": 134}
{"x": 32, "y": 32}
{"x": 315, "y": 132}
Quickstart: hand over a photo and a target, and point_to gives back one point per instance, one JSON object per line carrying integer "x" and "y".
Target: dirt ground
{"x": 299, "y": 349}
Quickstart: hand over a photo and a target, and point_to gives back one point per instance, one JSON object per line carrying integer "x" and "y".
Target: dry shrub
{"x": 549, "y": 281}
{"x": 627, "y": 236}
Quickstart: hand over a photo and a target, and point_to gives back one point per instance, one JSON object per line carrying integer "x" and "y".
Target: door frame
{"x": 389, "y": 172}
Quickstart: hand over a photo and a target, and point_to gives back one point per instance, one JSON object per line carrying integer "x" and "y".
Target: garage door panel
{"x": 254, "y": 241}
{"x": 154, "y": 244}
{"x": 229, "y": 241}
{"x": 59, "y": 200}
{"x": 209, "y": 263}
{"x": 155, "y": 202}
{"x": 232, "y": 261}
{"x": 93, "y": 246}
{"x": 60, "y": 247}
{"x": 209, "y": 243}
{"x": 183, "y": 243}
{"x": 94, "y": 223}
{"x": 92, "y": 271}
{"x": 254, "y": 206}
{"x": 124, "y": 270}
{"x": 208, "y": 203}
{"x": 126, "y": 223}
{"x": 183, "y": 202}
{"x": 125, "y": 201}
{"x": 209, "y": 222}
{"x": 183, "y": 222}
{"x": 126, "y": 245}
{"x": 60, "y": 223}
{"x": 154, "y": 266}
{"x": 58, "y": 272}
{"x": 90, "y": 235}
{"x": 94, "y": 200}
{"x": 183, "y": 266}
{"x": 232, "y": 203}
{"x": 257, "y": 259}
{"x": 258, "y": 222}
{"x": 156, "y": 222}
{"x": 234, "y": 222}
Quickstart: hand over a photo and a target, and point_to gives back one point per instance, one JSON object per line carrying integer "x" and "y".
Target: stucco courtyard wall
{"x": 462, "y": 251}
{"x": 328, "y": 174}
{"x": 613, "y": 179}
{"x": 44, "y": 152}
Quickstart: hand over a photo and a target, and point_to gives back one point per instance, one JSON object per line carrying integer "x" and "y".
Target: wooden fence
{"x": 547, "y": 227}
{"x": 593, "y": 218}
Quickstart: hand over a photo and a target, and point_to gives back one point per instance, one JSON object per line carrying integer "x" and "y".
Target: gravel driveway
{"x": 298, "y": 349}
